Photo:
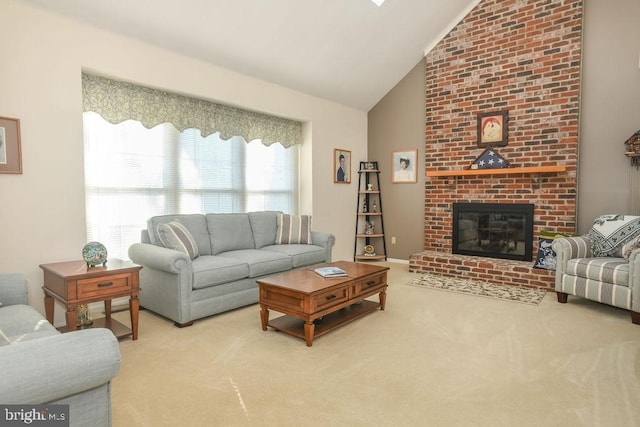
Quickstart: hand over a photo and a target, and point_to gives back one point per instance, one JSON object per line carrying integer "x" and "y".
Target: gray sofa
{"x": 234, "y": 250}
{"x": 39, "y": 365}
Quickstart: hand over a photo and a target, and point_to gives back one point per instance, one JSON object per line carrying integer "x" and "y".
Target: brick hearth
{"x": 520, "y": 56}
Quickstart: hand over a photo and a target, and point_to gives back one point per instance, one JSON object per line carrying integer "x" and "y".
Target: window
{"x": 133, "y": 173}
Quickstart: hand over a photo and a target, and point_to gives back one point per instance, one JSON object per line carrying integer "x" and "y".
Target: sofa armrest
{"x": 157, "y": 257}
{"x": 50, "y": 368}
{"x": 13, "y": 289}
{"x": 326, "y": 240}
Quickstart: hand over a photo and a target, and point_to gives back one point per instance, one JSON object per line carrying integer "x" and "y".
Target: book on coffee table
{"x": 331, "y": 272}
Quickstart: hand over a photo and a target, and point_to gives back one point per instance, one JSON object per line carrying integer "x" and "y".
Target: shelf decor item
{"x": 94, "y": 253}
{"x": 369, "y": 251}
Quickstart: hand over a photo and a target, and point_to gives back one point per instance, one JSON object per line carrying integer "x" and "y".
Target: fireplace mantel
{"x": 502, "y": 171}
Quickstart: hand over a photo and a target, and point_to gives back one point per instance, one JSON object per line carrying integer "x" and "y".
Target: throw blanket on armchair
{"x": 610, "y": 232}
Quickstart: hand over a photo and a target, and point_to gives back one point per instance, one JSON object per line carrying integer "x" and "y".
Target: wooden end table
{"x": 73, "y": 284}
{"x": 304, "y": 296}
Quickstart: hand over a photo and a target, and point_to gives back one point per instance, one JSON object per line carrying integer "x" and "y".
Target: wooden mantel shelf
{"x": 502, "y": 171}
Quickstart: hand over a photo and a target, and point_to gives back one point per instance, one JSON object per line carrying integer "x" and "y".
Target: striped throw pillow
{"x": 293, "y": 229}
{"x": 174, "y": 235}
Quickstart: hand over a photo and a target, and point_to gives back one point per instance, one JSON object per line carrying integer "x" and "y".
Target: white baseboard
{"x": 399, "y": 261}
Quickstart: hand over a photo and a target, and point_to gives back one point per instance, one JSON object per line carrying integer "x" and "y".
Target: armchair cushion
{"x": 604, "y": 269}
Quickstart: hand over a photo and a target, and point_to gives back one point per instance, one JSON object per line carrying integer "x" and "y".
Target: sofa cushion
{"x": 19, "y": 321}
{"x": 301, "y": 255}
{"x": 229, "y": 232}
{"x": 174, "y": 235}
{"x": 293, "y": 229}
{"x": 604, "y": 269}
{"x": 210, "y": 270}
{"x": 195, "y": 223}
{"x": 264, "y": 226}
{"x": 261, "y": 262}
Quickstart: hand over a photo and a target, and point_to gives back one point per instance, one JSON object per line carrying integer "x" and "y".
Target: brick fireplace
{"x": 523, "y": 57}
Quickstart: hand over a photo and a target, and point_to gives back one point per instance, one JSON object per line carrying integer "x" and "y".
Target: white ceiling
{"x": 348, "y": 51}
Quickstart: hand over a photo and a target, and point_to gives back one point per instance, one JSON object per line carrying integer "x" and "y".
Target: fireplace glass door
{"x": 494, "y": 230}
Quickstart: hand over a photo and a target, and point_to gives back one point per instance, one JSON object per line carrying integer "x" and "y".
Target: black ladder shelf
{"x": 370, "y": 244}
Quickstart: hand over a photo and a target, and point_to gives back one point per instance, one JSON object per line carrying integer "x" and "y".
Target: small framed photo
{"x": 404, "y": 165}
{"x": 10, "y": 151}
{"x": 341, "y": 166}
{"x": 492, "y": 129}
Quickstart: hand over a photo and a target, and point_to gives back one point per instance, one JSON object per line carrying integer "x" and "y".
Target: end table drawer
{"x": 89, "y": 288}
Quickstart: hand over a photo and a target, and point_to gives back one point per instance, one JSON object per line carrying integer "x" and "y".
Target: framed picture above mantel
{"x": 10, "y": 151}
{"x": 493, "y": 129}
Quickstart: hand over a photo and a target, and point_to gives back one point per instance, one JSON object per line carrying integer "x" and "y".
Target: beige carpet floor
{"x": 432, "y": 358}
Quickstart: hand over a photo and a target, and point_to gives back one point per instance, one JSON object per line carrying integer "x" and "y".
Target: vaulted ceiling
{"x": 348, "y": 51}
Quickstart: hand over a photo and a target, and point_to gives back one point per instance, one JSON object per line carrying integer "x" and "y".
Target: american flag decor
{"x": 489, "y": 159}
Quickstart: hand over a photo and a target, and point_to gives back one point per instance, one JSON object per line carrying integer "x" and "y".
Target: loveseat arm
{"x": 157, "y": 257}
{"x": 50, "y": 368}
{"x": 326, "y": 240}
{"x": 13, "y": 289}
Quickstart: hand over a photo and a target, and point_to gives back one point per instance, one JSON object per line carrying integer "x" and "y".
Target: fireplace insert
{"x": 493, "y": 230}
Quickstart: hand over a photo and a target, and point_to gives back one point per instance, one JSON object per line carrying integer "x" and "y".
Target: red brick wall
{"x": 515, "y": 55}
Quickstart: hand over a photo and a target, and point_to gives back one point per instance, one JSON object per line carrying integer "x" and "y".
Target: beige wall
{"x": 396, "y": 123}
{"x": 42, "y": 218}
{"x": 609, "y": 115}
{"x": 610, "y": 109}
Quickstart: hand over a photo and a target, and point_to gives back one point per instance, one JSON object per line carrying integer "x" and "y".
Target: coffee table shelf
{"x": 294, "y": 326}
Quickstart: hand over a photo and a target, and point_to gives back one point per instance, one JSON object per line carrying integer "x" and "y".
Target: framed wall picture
{"x": 341, "y": 166}
{"x": 404, "y": 165}
{"x": 10, "y": 151}
{"x": 492, "y": 129}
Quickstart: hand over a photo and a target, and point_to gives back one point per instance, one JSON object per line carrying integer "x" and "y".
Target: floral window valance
{"x": 118, "y": 101}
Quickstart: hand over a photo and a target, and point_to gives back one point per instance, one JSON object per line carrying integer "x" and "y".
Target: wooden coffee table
{"x": 304, "y": 296}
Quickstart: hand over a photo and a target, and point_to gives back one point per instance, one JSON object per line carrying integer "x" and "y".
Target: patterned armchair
{"x": 603, "y": 265}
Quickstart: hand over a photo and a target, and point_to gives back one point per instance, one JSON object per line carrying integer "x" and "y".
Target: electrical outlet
{"x": 393, "y": 240}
